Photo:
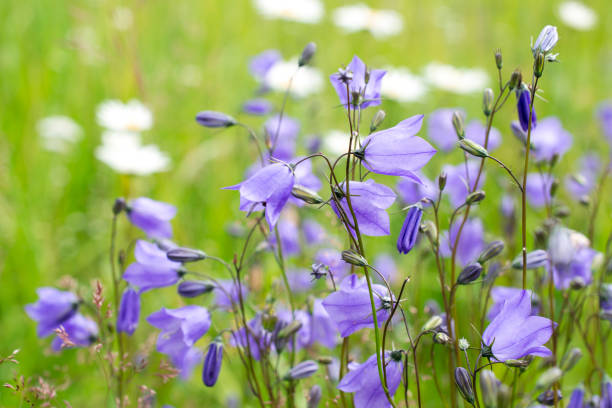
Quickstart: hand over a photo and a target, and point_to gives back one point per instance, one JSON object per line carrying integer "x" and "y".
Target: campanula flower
{"x": 499, "y": 295}
{"x": 362, "y": 92}
{"x": 550, "y": 139}
{"x": 350, "y": 307}
{"x": 282, "y": 133}
{"x": 303, "y": 335}
{"x": 333, "y": 259}
{"x": 289, "y": 236}
{"x": 153, "y": 217}
{"x": 258, "y": 107}
{"x": 535, "y": 259}
{"x": 461, "y": 181}
{"x": 606, "y": 393}
{"x": 523, "y": 103}
{"x": 226, "y": 294}
{"x": 313, "y": 232}
{"x": 152, "y": 268}
{"x": 260, "y": 341}
{"x": 396, "y": 151}
{"x": 213, "y": 119}
{"x": 471, "y": 242}
{"x": 364, "y": 381}
{"x": 546, "y": 41}
{"x": 261, "y": 63}
{"x": 577, "y": 398}
{"x": 538, "y": 189}
{"x": 605, "y": 301}
{"x": 385, "y": 264}
{"x": 440, "y": 129}
{"x": 476, "y": 132}
{"x": 571, "y": 257}
{"x": 410, "y": 230}
{"x": 582, "y": 183}
{"x": 302, "y": 370}
{"x": 53, "y": 308}
{"x": 81, "y": 331}
{"x": 212, "y": 363}
{"x": 129, "y": 311}
{"x": 411, "y": 191}
{"x": 322, "y": 327}
{"x": 304, "y": 177}
{"x": 515, "y": 333}
{"x": 369, "y": 201}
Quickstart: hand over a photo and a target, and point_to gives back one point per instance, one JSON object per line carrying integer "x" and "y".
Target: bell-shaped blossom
{"x": 129, "y": 311}
{"x": 369, "y": 201}
{"x": 363, "y": 380}
{"x": 300, "y": 279}
{"x": 53, "y": 308}
{"x": 397, "y": 151}
{"x": 152, "y": 268}
{"x": 180, "y": 329}
{"x": 257, "y": 107}
{"x": 260, "y": 64}
{"x": 461, "y": 181}
{"x": 368, "y": 92}
{"x": 260, "y": 341}
{"x": 411, "y": 191}
{"x": 212, "y": 363}
{"x": 303, "y": 335}
{"x": 282, "y": 133}
{"x": 289, "y": 236}
{"x": 227, "y": 295}
{"x": 605, "y": 117}
{"x": 499, "y": 294}
{"x": 538, "y": 189}
{"x": 81, "y": 331}
{"x": 333, "y": 259}
{"x": 476, "y": 132}
{"x": 153, "y": 217}
{"x": 304, "y": 177}
{"x": 577, "y": 398}
{"x": 571, "y": 257}
{"x": 546, "y": 41}
{"x": 471, "y": 242}
{"x": 385, "y": 264}
{"x": 515, "y": 333}
{"x": 322, "y": 327}
{"x": 410, "y": 230}
{"x": 313, "y": 232}
{"x": 581, "y": 183}
{"x": 606, "y": 393}
{"x": 523, "y": 103}
{"x": 549, "y": 139}
{"x": 440, "y": 129}
{"x": 350, "y": 307}
{"x": 270, "y": 186}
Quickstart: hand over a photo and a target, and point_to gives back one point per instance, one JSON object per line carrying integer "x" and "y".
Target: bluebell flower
{"x": 410, "y": 230}
{"x": 369, "y": 92}
{"x": 523, "y": 103}
{"x": 152, "y": 268}
{"x": 129, "y": 311}
{"x": 153, "y": 217}
{"x": 212, "y": 363}
{"x": 81, "y": 331}
{"x": 53, "y": 308}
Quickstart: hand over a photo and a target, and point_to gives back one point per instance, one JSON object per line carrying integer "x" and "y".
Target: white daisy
{"x": 124, "y": 153}
{"x": 457, "y": 80}
{"x": 302, "y": 11}
{"x": 577, "y": 15}
{"x": 401, "y": 85}
{"x": 132, "y": 116}
{"x": 381, "y": 23}
{"x": 306, "y": 81}
{"x": 58, "y": 132}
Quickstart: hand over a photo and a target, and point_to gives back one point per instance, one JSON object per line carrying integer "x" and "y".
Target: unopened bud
{"x": 538, "y": 65}
{"x": 191, "y": 289}
{"x": 585, "y": 200}
{"x": 307, "y": 54}
{"x": 517, "y": 363}
{"x": 553, "y": 187}
{"x": 429, "y": 229}
{"x": 458, "y": 124}
{"x": 498, "y": 59}
{"x": 515, "y": 79}
{"x": 487, "y": 101}
{"x": 570, "y": 359}
{"x": 441, "y": 338}
{"x": 469, "y": 274}
{"x": 463, "y": 344}
{"x": 314, "y": 396}
{"x": 325, "y": 360}
{"x": 475, "y": 197}
{"x": 269, "y": 320}
{"x": 212, "y": 119}
{"x": 442, "y": 181}
{"x": 119, "y": 205}
{"x": 302, "y": 370}
{"x": 491, "y": 251}
{"x": 184, "y": 255}
{"x": 535, "y": 259}
{"x": 289, "y": 330}
{"x": 377, "y": 120}
{"x": 548, "y": 397}
{"x": 541, "y": 236}
{"x": 473, "y": 148}
{"x": 489, "y": 387}
{"x": 548, "y": 378}
{"x": 353, "y": 258}
{"x": 433, "y": 323}
{"x": 305, "y": 194}
{"x": 464, "y": 384}
{"x": 577, "y": 283}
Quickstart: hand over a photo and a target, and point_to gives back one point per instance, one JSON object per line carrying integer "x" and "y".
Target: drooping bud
{"x": 433, "y": 323}
{"x": 489, "y": 388}
{"x": 535, "y": 259}
{"x": 475, "y": 197}
{"x": 498, "y": 59}
{"x": 212, "y": 363}
{"x": 473, "y": 148}
{"x": 212, "y": 119}
{"x": 517, "y": 363}
{"x": 515, "y": 79}
{"x": 553, "y": 187}
{"x": 523, "y": 107}
{"x": 538, "y": 65}
{"x": 353, "y": 258}
{"x": 469, "y": 274}
{"x": 119, "y": 205}
{"x": 184, "y": 255}
{"x": 458, "y": 125}
{"x": 442, "y": 180}
{"x": 314, "y": 396}
{"x": 302, "y": 370}
{"x": 269, "y": 320}
{"x": 191, "y": 289}
{"x": 441, "y": 338}
{"x": 464, "y": 384}
{"x": 548, "y": 378}
{"x": 289, "y": 330}
{"x": 410, "y": 229}
{"x": 491, "y": 251}
{"x": 307, "y": 53}
{"x": 305, "y": 194}
{"x": 377, "y": 120}
{"x": 487, "y": 101}
{"x": 570, "y": 359}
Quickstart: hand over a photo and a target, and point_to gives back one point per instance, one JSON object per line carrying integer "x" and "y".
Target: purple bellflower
{"x": 261, "y": 63}
{"x": 283, "y": 135}
{"x": 499, "y": 294}
{"x": 270, "y": 186}
{"x": 180, "y": 329}
{"x": 152, "y": 268}
{"x": 606, "y": 393}
{"x": 397, "y": 151}
{"x": 313, "y": 232}
{"x": 257, "y": 107}
{"x": 153, "y": 217}
{"x": 300, "y": 279}
{"x": 582, "y": 183}
{"x": 476, "y": 132}
{"x": 471, "y": 242}
{"x": 350, "y": 307}
{"x": 369, "y": 201}
{"x": 605, "y": 117}
{"x": 303, "y": 335}
{"x": 550, "y": 139}
{"x": 364, "y": 381}
{"x": 440, "y": 129}
{"x": 322, "y": 327}
{"x": 461, "y": 181}
{"x": 578, "y": 269}
{"x": 411, "y": 192}
{"x": 410, "y": 230}
{"x": 289, "y": 236}
{"x": 333, "y": 259}
{"x": 260, "y": 341}
{"x": 515, "y": 333}
{"x": 212, "y": 363}
{"x": 53, "y": 308}
{"x": 304, "y": 177}
{"x": 82, "y": 332}
{"x": 605, "y": 301}
{"x": 523, "y": 103}
{"x": 226, "y": 294}
{"x": 577, "y": 398}
{"x": 129, "y": 311}
{"x": 361, "y": 91}
{"x": 385, "y": 264}
{"x": 538, "y": 189}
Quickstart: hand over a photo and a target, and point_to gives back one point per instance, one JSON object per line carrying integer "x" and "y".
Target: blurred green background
{"x": 66, "y": 57}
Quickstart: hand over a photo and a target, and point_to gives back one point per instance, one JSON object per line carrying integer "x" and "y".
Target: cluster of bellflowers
{"x": 315, "y": 319}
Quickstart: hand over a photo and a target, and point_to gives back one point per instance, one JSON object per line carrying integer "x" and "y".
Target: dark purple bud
{"x": 523, "y": 105}
{"x": 535, "y": 259}
{"x": 212, "y": 119}
{"x": 314, "y": 396}
{"x": 548, "y": 398}
{"x": 498, "y": 59}
{"x": 129, "y": 312}
{"x": 464, "y": 384}
{"x": 191, "y": 289}
{"x": 184, "y": 255}
{"x": 410, "y": 230}
{"x": 303, "y": 370}
{"x": 469, "y": 274}
{"x": 319, "y": 270}
{"x": 119, "y": 206}
{"x": 212, "y": 363}
{"x": 491, "y": 251}
{"x": 307, "y": 54}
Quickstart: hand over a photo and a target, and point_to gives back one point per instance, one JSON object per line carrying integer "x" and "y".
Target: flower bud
{"x": 458, "y": 125}
{"x": 517, "y": 363}
{"x": 473, "y": 148}
{"x": 548, "y": 397}
{"x": 410, "y": 229}
{"x": 475, "y": 197}
{"x": 212, "y": 363}
{"x": 515, "y": 79}
{"x": 306, "y": 195}
{"x": 463, "y": 344}
{"x": 307, "y": 54}
{"x": 302, "y": 370}
{"x": 535, "y": 259}
{"x": 119, "y": 205}
{"x": 464, "y": 384}
{"x": 191, "y": 289}
{"x": 487, "y": 101}
{"x": 289, "y": 330}
{"x": 548, "y": 378}
{"x": 325, "y": 360}
{"x": 469, "y": 274}
{"x": 212, "y": 119}
{"x": 538, "y": 65}
{"x": 491, "y": 251}
{"x": 433, "y": 323}
{"x": 441, "y": 338}
{"x": 489, "y": 388}
{"x": 442, "y": 181}
{"x": 562, "y": 212}
{"x": 353, "y": 258}
{"x": 553, "y": 187}
{"x": 314, "y": 396}
{"x": 498, "y": 59}
{"x": 546, "y": 41}
{"x": 570, "y": 359}
{"x": 377, "y": 120}
{"x": 184, "y": 255}
{"x": 269, "y": 320}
